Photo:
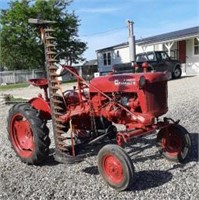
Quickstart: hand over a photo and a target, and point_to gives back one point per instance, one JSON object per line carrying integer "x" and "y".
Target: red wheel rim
{"x": 112, "y": 168}
{"x": 21, "y": 136}
{"x": 172, "y": 143}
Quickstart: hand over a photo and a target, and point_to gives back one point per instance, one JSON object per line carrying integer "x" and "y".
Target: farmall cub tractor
{"x": 85, "y": 116}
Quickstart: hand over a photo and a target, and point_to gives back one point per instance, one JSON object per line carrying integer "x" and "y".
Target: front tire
{"x": 174, "y": 143}
{"x": 177, "y": 72}
{"x": 116, "y": 167}
{"x": 28, "y": 134}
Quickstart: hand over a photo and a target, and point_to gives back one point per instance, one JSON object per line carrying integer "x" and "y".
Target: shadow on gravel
{"x": 182, "y": 77}
{"x": 133, "y": 149}
{"x": 50, "y": 161}
{"x": 136, "y": 152}
{"x": 143, "y": 180}
{"x": 141, "y": 145}
{"x": 195, "y": 147}
{"x": 150, "y": 179}
{"x": 155, "y": 156}
{"x": 93, "y": 170}
{"x": 85, "y": 153}
{"x": 138, "y": 146}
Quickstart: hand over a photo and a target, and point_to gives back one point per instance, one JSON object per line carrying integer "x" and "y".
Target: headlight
{"x": 142, "y": 81}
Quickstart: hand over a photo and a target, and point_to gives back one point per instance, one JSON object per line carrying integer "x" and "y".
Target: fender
{"x": 41, "y": 105}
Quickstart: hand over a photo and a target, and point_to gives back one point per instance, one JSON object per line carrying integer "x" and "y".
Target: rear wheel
{"x": 177, "y": 72}
{"x": 116, "y": 167}
{"x": 28, "y": 134}
{"x": 174, "y": 143}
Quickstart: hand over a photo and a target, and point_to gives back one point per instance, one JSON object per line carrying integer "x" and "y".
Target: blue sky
{"x": 104, "y": 22}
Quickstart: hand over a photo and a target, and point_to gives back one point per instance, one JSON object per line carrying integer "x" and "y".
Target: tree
{"x": 21, "y": 47}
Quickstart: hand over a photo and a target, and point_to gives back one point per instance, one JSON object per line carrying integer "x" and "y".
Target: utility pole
{"x": 131, "y": 39}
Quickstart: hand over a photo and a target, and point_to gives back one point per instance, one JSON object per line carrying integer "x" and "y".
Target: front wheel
{"x": 177, "y": 72}
{"x": 174, "y": 143}
{"x": 28, "y": 134}
{"x": 116, "y": 167}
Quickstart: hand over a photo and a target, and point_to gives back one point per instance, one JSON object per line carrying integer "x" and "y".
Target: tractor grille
{"x": 156, "y": 98}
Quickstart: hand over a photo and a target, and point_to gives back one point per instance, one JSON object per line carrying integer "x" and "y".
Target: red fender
{"x": 40, "y": 104}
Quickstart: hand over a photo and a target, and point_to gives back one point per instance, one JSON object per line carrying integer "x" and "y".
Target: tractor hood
{"x": 125, "y": 82}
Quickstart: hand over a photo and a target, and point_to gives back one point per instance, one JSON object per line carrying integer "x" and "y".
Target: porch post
{"x": 144, "y": 48}
{"x": 168, "y": 45}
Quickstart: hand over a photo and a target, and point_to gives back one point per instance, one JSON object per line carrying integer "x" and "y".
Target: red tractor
{"x": 85, "y": 116}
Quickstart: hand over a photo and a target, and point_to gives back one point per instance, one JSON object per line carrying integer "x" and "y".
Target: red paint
{"x": 112, "y": 168}
{"x": 116, "y": 97}
{"x": 39, "y": 82}
{"x": 145, "y": 66}
{"x": 21, "y": 136}
{"x": 43, "y": 106}
{"x": 42, "y": 83}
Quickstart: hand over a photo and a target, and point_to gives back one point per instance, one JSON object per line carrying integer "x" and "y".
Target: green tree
{"x": 21, "y": 47}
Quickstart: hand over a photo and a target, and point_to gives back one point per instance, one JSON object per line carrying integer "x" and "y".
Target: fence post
{"x": 33, "y": 73}
{"x": 14, "y": 74}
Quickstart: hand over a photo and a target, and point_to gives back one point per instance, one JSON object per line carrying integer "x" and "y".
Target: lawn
{"x": 13, "y": 86}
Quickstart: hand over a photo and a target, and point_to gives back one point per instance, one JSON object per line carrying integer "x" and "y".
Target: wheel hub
{"x": 177, "y": 72}
{"x": 22, "y": 136}
{"x": 113, "y": 168}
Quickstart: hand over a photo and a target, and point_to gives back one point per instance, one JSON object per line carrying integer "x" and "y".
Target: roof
{"x": 124, "y": 44}
{"x": 90, "y": 62}
{"x": 166, "y": 37}
{"x": 175, "y": 35}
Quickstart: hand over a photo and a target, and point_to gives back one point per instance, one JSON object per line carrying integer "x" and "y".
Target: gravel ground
{"x": 155, "y": 177}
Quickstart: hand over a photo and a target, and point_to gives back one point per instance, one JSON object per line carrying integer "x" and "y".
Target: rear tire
{"x": 28, "y": 134}
{"x": 116, "y": 167}
{"x": 177, "y": 72}
{"x": 174, "y": 143}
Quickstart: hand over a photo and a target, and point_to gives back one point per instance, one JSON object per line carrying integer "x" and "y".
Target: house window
{"x": 118, "y": 54}
{"x": 107, "y": 58}
{"x": 196, "y": 46}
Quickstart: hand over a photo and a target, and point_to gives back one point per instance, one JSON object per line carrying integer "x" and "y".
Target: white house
{"x": 182, "y": 45}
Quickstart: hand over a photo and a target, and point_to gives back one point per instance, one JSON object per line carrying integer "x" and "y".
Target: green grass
{"x": 13, "y": 86}
{"x": 22, "y": 85}
{"x": 9, "y": 99}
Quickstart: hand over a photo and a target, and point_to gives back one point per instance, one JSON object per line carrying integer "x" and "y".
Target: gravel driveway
{"x": 155, "y": 178}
